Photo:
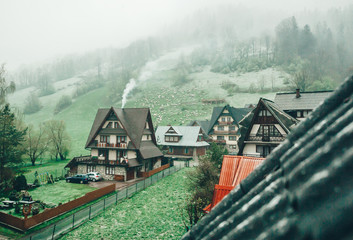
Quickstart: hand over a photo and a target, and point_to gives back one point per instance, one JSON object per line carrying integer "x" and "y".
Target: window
{"x": 220, "y": 128}
{"x": 171, "y": 139}
{"x": 170, "y": 149}
{"x": 220, "y": 137}
{"x": 109, "y": 170}
{"x": 229, "y": 119}
{"x": 186, "y": 150}
{"x": 103, "y": 153}
{"x": 264, "y": 150}
{"x": 110, "y": 125}
{"x": 120, "y": 154}
{"x": 199, "y": 138}
{"x": 268, "y": 130}
{"x": 91, "y": 168}
{"x": 148, "y": 137}
{"x": 116, "y": 125}
{"x": 121, "y": 139}
{"x": 223, "y": 119}
{"x": 264, "y": 113}
{"x": 231, "y": 128}
{"x": 105, "y": 138}
{"x": 232, "y": 138}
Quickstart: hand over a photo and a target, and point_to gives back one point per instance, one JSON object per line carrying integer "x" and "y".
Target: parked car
{"x": 94, "y": 176}
{"x": 79, "y": 178}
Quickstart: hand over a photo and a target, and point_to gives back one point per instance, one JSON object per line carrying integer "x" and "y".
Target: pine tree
{"x": 11, "y": 139}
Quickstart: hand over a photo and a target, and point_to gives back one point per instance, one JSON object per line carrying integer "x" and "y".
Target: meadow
{"x": 153, "y": 213}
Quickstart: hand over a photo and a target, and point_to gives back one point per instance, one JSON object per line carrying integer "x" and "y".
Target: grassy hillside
{"x": 170, "y": 101}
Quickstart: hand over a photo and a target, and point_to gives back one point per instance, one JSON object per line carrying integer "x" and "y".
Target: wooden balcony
{"x": 224, "y": 132}
{"x": 110, "y": 145}
{"x": 225, "y": 123}
{"x": 101, "y": 160}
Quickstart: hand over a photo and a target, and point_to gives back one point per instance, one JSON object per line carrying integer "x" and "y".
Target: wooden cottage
{"x": 122, "y": 145}
{"x": 264, "y": 129}
{"x": 185, "y": 142}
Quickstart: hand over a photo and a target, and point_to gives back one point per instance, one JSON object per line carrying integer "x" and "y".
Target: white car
{"x": 94, "y": 176}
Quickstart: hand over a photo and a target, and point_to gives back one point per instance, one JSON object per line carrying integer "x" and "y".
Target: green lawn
{"x": 60, "y": 192}
{"x": 54, "y": 168}
{"x": 150, "y": 214}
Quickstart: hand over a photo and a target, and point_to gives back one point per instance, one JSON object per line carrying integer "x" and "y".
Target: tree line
{"x": 19, "y": 142}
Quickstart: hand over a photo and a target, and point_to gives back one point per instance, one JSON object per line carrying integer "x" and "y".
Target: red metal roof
{"x": 234, "y": 170}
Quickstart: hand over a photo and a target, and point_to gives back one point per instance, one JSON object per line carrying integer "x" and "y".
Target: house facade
{"x": 183, "y": 142}
{"x": 224, "y": 126}
{"x": 300, "y": 104}
{"x": 122, "y": 144}
{"x": 264, "y": 129}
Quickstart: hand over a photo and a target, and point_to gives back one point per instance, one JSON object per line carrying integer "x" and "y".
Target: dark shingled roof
{"x": 236, "y": 113}
{"x": 149, "y": 150}
{"x": 285, "y": 120}
{"x": 204, "y": 124}
{"x": 132, "y": 119}
{"x": 304, "y": 188}
{"x": 306, "y": 101}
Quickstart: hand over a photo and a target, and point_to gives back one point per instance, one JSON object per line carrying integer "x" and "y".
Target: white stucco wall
{"x": 94, "y": 152}
{"x": 254, "y": 129}
{"x": 280, "y": 129}
{"x": 250, "y": 149}
{"x": 131, "y": 154}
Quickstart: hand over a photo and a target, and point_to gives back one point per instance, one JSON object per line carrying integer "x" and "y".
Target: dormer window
{"x": 199, "y": 138}
{"x": 171, "y": 139}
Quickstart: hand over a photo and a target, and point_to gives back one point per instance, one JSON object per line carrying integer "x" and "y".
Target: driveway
{"x": 118, "y": 185}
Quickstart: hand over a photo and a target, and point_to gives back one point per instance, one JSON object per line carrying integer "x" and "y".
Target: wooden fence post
{"x": 73, "y": 220}
{"x": 116, "y": 197}
{"x": 104, "y": 204}
{"x": 89, "y": 215}
{"x": 127, "y": 189}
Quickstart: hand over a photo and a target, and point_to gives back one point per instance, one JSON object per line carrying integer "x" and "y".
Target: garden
{"x": 45, "y": 192}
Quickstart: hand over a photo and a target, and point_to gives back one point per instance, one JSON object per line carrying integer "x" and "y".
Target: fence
{"x": 65, "y": 225}
{"x": 24, "y": 224}
{"x": 55, "y": 173}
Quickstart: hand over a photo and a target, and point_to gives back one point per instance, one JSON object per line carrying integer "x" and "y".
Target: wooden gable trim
{"x": 100, "y": 126}
{"x": 127, "y": 133}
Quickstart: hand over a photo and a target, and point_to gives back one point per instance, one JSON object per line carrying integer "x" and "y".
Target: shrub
{"x": 20, "y": 183}
{"x": 63, "y": 103}
{"x": 36, "y": 183}
{"x": 14, "y": 195}
{"x": 32, "y": 104}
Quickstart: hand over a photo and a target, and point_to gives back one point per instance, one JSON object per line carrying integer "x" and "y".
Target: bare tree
{"x": 59, "y": 140}
{"x": 36, "y": 143}
{"x": 5, "y": 88}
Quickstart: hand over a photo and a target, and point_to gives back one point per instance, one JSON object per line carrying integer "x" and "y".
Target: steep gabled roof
{"x": 306, "y": 101}
{"x": 204, "y": 124}
{"x": 286, "y": 121}
{"x": 236, "y": 113}
{"x": 132, "y": 119}
{"x": 303, "y": 190}
{"x": 189, "y": 136}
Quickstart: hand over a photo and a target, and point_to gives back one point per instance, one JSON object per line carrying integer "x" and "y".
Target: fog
{"x": 40, "y": 30}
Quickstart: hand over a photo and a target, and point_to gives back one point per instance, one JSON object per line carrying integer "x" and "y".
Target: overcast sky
{"x": 37, "y": 30}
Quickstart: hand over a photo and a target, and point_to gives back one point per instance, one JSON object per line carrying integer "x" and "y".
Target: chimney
{"x": 297, "y": 94}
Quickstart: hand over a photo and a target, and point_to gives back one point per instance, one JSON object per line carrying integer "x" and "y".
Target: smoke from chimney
{"x": 131, "y": 85}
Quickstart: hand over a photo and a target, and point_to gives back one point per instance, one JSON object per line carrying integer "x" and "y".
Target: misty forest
{"x": 228, "y": 53}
